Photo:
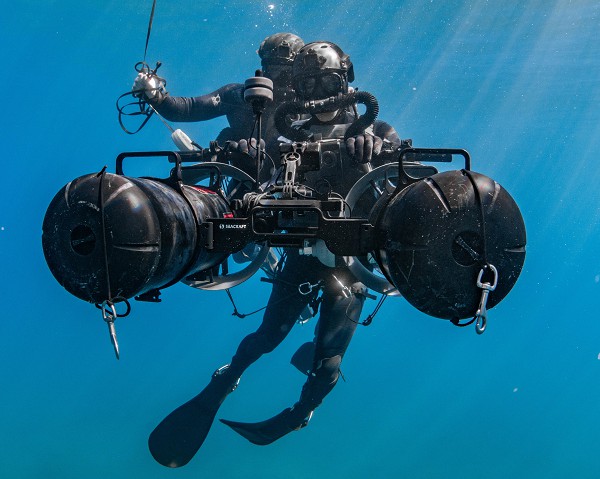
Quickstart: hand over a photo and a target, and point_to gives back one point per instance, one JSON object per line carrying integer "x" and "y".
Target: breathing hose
{"x": 323, "y": 106}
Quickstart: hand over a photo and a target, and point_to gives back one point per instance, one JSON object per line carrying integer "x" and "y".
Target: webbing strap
{"x": 149, "y": 28}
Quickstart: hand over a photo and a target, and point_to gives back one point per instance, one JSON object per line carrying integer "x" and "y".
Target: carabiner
{"x": 346, "y": 291}
{"x": 481, "y": 314}
{"x": 480, "y": 320}
{"x": 109, "y": 317}
{"x": 306, "y": 288}
{"x": 488, "y": 286}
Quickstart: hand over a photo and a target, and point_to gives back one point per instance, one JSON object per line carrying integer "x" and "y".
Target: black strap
{"x": 149, "y": 28}
{"x": 456, "y": 322}
{"x": 483, "y": 262}
{"x": 370, "y": 317}
{"x": 110, "y": 300}
{"x": 142, "y": 109}
{"x": 102, "y": 175}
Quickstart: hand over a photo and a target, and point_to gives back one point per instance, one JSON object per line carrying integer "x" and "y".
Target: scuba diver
{"x": 277, "y": 53}
{"x": 320, "y": 70}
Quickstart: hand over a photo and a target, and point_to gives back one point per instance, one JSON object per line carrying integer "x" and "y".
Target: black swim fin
{"x": 266, "y": 432}
{"x": 303, "y": 358}
{"x": 178, "y": 437}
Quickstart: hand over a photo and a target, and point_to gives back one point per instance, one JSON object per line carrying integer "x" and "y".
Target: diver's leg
{"x": 339, "y": 317}
{"x": 304, "y": 356}
{"x": 284, "y": 306}
{"x": 337, "y": 324}
{"x": 178, "y": 437}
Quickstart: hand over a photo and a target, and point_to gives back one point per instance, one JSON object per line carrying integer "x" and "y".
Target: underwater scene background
{"x": 516, "y": 83}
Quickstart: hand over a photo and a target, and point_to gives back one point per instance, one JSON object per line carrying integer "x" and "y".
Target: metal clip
{"x": 346, "y": 291}
{"x": 109, "y": 316}
{"x": 306, "y": 288}
{"x": 481, "y": 314}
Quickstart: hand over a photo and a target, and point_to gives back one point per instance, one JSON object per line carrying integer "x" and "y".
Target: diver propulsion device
{"x": 108, "y": 237}
{"x": 451, "y": 243}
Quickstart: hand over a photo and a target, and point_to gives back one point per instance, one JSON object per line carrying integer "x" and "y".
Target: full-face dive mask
{"x": 321, "y": 70}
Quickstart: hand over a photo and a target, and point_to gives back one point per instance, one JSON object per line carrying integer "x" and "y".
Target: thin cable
{"x": 243, "y": 315}
{"x": 369, "y": 319}
{"x": 163, "y": 120}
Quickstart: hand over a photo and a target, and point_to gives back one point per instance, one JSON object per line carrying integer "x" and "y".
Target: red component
{"x": 204, "y": 190}
{"x": 227, "y": 215}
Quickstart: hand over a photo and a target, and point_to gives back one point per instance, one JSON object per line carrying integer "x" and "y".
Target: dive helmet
{"x": 323, "y": 60}
{"x": 279, "y": 49}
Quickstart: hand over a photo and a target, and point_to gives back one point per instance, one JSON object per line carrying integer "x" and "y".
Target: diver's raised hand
{"x": 149, "y": 87}
{"x": 363, "y": 147}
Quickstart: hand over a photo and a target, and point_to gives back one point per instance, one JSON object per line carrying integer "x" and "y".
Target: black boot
{"x": 178, "y": 437}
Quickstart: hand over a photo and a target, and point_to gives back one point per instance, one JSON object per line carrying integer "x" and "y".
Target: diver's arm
{"x": 201, "y": 108}
{"x": 385, "y": 131}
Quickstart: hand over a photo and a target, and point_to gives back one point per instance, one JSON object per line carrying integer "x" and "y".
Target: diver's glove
{"x": 244, "y": 154}
{"x": 363, "y": 147}
{"x": 149, "y": 87}
{"x": 247, "y": 147}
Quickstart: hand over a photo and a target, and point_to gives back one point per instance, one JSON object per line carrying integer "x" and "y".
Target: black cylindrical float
{"x": 438, "y": 233}
{"x": 108, "y": 236}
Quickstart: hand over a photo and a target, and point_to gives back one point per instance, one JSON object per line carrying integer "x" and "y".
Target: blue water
{"x": 517, "y": 83}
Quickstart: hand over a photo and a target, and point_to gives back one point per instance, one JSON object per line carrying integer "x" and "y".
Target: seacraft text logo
{"x": 223, "y": 226}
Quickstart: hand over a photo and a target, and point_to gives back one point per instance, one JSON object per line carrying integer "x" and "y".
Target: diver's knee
{"x": 259, "y": 343}
{"x": 328, "y": 369}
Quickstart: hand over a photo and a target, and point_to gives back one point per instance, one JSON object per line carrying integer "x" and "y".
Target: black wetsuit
{"x": 340, "y": 312}
{"x": 338, "y": 319}
{"x": 228, "y": 101}
{"x": 180, "y": 434}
